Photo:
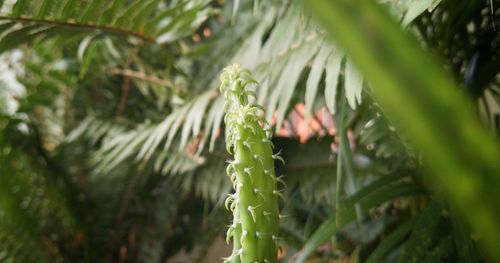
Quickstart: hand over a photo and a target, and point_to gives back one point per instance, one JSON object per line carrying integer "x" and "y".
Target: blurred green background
{"x": 386, "y": 112}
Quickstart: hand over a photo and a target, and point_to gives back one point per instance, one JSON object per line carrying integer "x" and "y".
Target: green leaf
{"x": 193, "y": 119}
{"x": 6, "y": 26}
{"x": 331, "y": 80}
{"x": 422, "y": 233}
{"x": 17, "y": 37}
{"x": 465, "y": 248}
{"x": 109, "y": 15}
{"x": 80, "y": 54}
{"x": 45, "y": 8}
{"x": 353, "y": 83}
{"x": 389, "y": 242}
{"x": 143, "y": 15}
{"x": 179, "y": 115}
{"x": 19, "y": 7}
{"x": 285, "y": 33}
{"x": 415, "y": 8}
{"x": 155, "y": 138}
{"x": 414, "y": 90}
{"x": 315, "y": 74}
{"x": 150, "y": 27}
{"x": 87, "y": 57}
{"x": 124, "y": 19}
{"x": 126, "y": 145}
{"x": 217, "y": 121}
{"x": 440, "y": 252}
{"x": 289, "y": 78}
{"x": 69, "y": 10}
{"x": 211, "y": 121}
{"x": 368, "y": 197}
{"x": 169, "y": 32}
{"x": 91, "y": 11}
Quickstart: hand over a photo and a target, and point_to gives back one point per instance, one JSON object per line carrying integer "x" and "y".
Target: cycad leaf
{"x": 155, "y": 138}
{"x": 142, "y": 16}
{"x": 69, "y": 9}
{"x": 16, "y": 37}
{"x": 91, "y": 11}
{"x": 125, "y": 18}
{"x": 287, "y": 84}
{"x": 331, "y": 80}
{"x": 193, "y": 119}
{"x": 111, "y": 11}
{"x": 315, "y": 74}
{"x": 83, "y": 47}
{"x": 217, "y": 121}
{"x": 212, "y": 122}
{"x": 45, "y": 8}
{"x": 284, "y": 35}
{"x": 19, "y": 7}
{"x": 171, "y": 11}
{"x": 180, "y": 115}
{"x": 415, "y": 8}
{"x": 353, "y": 84}
{"x": 174, "y": 29}
{"x": 88, "y": 57}
{"x": 126, "y": 149}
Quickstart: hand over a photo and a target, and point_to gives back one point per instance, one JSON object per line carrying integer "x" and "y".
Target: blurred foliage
{"x": 110, "y": 148}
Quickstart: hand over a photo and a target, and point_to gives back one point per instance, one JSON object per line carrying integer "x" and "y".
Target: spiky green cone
{"x": 255, "y": 202}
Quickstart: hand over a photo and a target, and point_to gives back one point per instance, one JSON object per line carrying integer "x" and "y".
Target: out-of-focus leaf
{"x": 415, "y": 8}
{"x": 421, "y": 235}
{"x": 413, "y": 89}
{"x": 389, "y": 242}
{"x": 367, "y": 198}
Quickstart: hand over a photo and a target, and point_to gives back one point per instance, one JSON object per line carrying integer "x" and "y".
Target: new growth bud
{"x": 255, "y": 202}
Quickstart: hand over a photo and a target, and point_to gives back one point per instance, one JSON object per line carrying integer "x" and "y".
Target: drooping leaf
{"x": 353, "y": 84}
{"x": 314, "y": 77}
{"x": 331, "y": 80}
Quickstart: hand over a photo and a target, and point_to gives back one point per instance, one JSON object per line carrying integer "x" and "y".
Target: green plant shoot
{"x": 255, "y": 202}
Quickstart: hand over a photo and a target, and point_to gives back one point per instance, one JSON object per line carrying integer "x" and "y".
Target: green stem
{"x": 345, "y": 149}
{"x": 338, "y": 190}
{"x": 255, "y": 202}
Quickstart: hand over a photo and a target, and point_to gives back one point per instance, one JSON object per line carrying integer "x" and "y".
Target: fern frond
{"x": 287, "y": 48}
{"x": 150, "y": 21}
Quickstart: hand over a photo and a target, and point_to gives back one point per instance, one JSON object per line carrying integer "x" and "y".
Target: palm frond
{"x": 282, "y": 58}
{"x": 151, "y": 21}
{"x": 281, "y": 62}
{"x": 117, "y": 145}
{"x": 289, "y": 53}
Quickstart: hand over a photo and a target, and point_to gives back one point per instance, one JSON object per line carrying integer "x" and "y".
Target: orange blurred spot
{"x": 319, "y": 124}
{"x": 207, "y": 32}
{"x": 196, "y": 37}
{"x": 281, "y": 253}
